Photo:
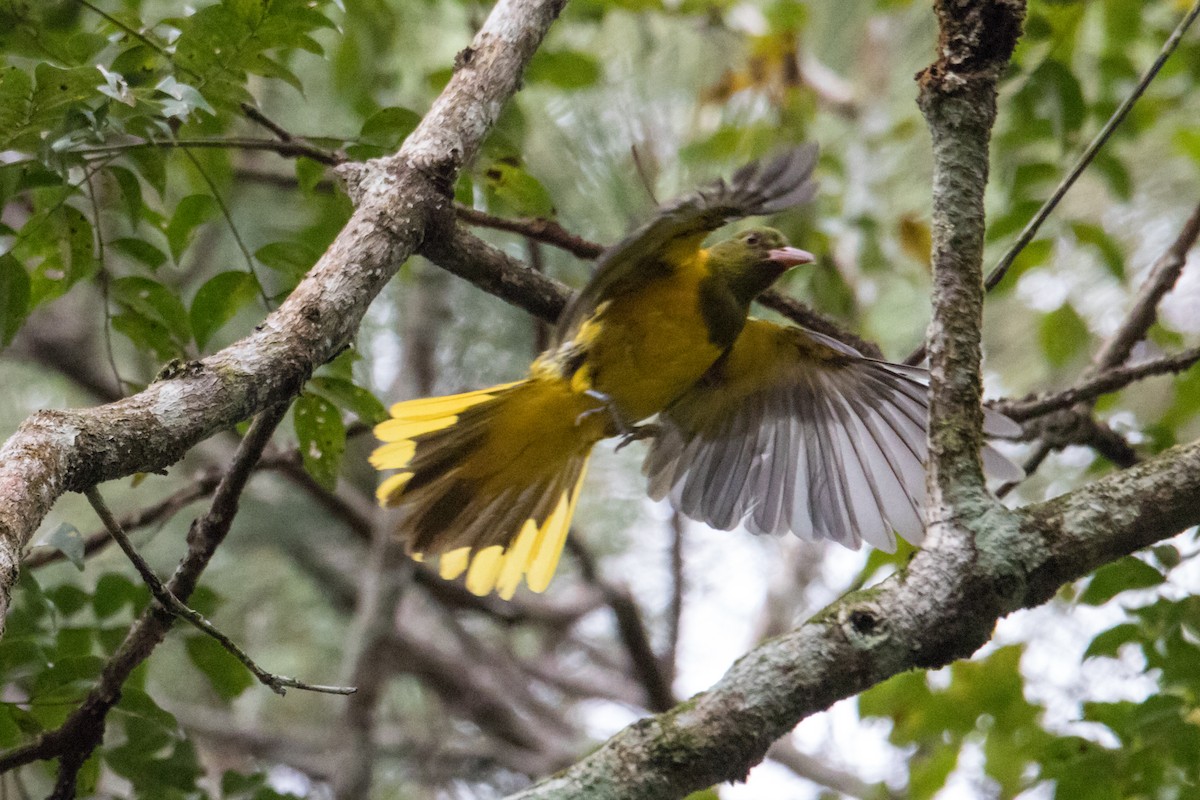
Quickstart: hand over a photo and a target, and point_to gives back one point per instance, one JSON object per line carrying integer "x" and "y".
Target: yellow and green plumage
{"x": 774, "y": 426}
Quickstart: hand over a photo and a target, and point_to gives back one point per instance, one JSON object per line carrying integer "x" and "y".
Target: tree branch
{"x": 958, "y": 99}
{"x": 938, "y": 609}
{"x": 1108, "y": 381}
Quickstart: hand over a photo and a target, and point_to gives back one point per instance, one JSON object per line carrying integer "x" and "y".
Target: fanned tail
{"x": 489, "y": 479}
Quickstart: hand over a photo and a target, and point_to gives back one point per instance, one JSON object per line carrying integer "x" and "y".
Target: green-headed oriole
{"x": 777, "y": 427}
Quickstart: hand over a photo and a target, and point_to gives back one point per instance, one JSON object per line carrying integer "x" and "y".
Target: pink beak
{"x": 791, "y": 256}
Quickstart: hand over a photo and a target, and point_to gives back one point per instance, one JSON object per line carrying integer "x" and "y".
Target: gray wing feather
{"x": 826, "y": 453}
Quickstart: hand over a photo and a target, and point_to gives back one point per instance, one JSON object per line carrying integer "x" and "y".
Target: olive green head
{"x": 752, "y": 260}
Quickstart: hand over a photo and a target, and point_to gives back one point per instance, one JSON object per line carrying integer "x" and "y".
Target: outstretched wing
{"x": 680, "y": 227}
{"x": 793, "y": 430}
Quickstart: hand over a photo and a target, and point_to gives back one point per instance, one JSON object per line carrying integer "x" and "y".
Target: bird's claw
{"x": 638, "y": 432}
{"x": 618, "y": 422}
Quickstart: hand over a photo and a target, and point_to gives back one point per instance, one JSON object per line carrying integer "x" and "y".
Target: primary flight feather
{"x": 777, "y": 427}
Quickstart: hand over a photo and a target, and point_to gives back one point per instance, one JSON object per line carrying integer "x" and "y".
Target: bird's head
{"x": 754, "y": 259}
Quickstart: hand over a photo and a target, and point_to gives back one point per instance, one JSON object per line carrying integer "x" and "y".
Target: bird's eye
{"x": 753, "y": 240}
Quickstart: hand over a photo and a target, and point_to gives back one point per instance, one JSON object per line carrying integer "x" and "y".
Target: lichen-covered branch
{"x": 939, "y": 609}
{"x": 60, "y": 451}
{"x": 958, "y": 98}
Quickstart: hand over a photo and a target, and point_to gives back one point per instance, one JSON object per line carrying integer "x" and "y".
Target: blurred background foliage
{"x": 149, "y": 214}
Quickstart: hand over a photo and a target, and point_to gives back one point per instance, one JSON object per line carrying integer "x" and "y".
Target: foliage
{"x": 149, "y": 214}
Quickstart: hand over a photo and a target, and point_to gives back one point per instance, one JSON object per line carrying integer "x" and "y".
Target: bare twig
{"x": 161, "y": 511}
{"x": 1144, "y": 310}
{"x": 669, "y": 657}
{"x": 1006, "y": 261}
{"x": 542, "y": 230}
{"x": 819, "y": 772}
{"x": 293, "y": 148}
{"x": 1103, "y": 383}
{"x": 174, "y": 605}
{"x": 631, "y": 629}
{"x": 215, "y": 193}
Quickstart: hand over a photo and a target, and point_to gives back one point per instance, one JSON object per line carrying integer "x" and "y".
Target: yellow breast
{"x": 646, "y": 348}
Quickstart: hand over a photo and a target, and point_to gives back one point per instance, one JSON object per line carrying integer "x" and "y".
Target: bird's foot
{"x": 647, "y": 431}
{"x": 608, "y": 407}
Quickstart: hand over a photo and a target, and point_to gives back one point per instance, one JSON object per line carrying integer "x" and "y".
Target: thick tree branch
{"x": 940, "y": 608}
{"x": 958, "y": 98}
{"x": 59, "y": 451}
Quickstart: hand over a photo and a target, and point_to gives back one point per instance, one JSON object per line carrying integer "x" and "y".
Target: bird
{"x": 775, "y": 427}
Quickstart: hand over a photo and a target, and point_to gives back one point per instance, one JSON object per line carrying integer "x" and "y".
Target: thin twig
{"x": 1103, "y": 383}
{"x": 136, "y": 34}
{"x": 233, "y": 229}
{"x": 255, "y": 115}
{"x": 1002, "y": 266}
{"x": 159, "y": 512}
{"x": 630, "y": 628}
{"x": 1144, "y": 309}
{"x": 542, "y": 230}
{"x": 173, "y": 604}
{"x": 669, "y": 657}
{"x": 103, "y": 280}
{"x": 290, "y": 149}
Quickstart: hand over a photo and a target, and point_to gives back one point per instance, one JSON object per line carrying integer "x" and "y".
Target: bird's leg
{"x": 608, "y": 407}
{"x": 647, "y": 431}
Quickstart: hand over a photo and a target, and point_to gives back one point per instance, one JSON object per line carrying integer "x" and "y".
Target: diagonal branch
{"x": 939, "y": 609}
{"x": 59, "y": 451}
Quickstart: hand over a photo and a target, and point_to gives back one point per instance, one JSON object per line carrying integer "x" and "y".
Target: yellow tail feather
{"x": 531, "y": 445}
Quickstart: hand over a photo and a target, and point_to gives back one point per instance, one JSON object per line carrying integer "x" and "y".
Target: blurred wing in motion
{"x": 794, "y": 431}
{"x": 679, "y": 228}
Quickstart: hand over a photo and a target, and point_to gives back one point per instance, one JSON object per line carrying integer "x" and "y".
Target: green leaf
{"x": 68, "y": 598}
{"x": 192, "y": 211}
{"x": 1109, "y": 642}
{"x": 308, "y": 174}
{"x": 1063, "y": 335}
{"x": 218, "y": 300}
{"x": 131, "y": 192}
{"x": 351, "y": 397}
{"x": 16, "y": 87}
{"x": 293, "y": 259}
{"x": 67, "y": 540}
{"x": 322, "y": 437}
{"x": 114, "y": 592}
{"x": 65, "y": 245}
{"x": 227, "y": 676}
{"x": 511, "y": 190}
{"x": 1120, "y": 576}
{"x": 564, "y": 69}
{"x": 155, "y": 303}
{"x": 141, "y": 250}
{"x": 14, "y": 297}
{"x": 1112, "y": 255}
{"x": 389, "y": 127}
